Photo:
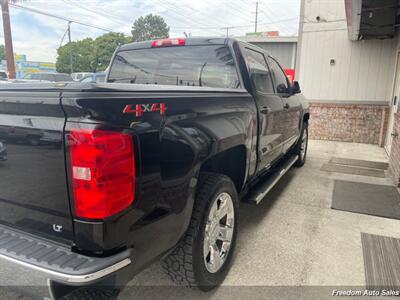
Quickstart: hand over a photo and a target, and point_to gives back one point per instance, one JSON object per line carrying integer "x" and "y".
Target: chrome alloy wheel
{"x": 303, "y": 146}
{"x": 218, "y": 232}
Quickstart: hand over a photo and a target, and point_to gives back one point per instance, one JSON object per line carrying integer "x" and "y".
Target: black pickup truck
{"x": 150, "y": 165}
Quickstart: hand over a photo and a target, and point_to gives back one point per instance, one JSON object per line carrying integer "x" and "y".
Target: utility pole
{"x": 227, "y": 29}
{"x": 70, "y": 52}
{"x": 256, "y": 21}
{"x": 8, "y": 39}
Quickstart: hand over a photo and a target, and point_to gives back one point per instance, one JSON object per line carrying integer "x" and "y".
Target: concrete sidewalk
{"x": 292, "y": 238}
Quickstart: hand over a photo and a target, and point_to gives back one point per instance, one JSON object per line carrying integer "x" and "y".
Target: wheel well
{"x": 231, "y": 162}
{"x": 306, "y": 117}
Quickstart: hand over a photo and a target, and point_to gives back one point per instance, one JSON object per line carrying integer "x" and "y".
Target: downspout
{"x": 300, "y": 39}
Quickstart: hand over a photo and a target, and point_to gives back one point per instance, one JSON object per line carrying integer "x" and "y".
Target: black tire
{"x": 297, "y": 149}
{"x": 185, "y": 264}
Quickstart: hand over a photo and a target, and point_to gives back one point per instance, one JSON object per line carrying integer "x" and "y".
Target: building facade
{"x": 284, "y": 49}
{"x": 348, "y": 68}
{"x": 23, "y": 66}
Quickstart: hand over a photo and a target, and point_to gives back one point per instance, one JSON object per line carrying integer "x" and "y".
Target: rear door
{"x": 290, "y": 117}
{"x": 33, "y": 184}
{"x": 270, "y": 109}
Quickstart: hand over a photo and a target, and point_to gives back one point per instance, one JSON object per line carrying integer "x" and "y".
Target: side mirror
{"x": 282, "y": 89}
{"x": 295, "y": 88}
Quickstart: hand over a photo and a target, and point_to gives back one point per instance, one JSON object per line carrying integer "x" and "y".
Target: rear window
{"x": 210, "y": 66}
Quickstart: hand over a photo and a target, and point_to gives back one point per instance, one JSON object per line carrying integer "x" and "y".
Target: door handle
{"x": 265, "y": 110}
{"x": 286, "y": 106}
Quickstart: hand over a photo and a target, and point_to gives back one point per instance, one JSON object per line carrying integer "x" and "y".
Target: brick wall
{"x": 394, "y": 159}
{"x": 356, "y": 123}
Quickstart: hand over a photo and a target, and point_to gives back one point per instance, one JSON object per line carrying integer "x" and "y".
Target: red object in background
{"x": 290, "y": 74}
{"x": 274, "y": 33}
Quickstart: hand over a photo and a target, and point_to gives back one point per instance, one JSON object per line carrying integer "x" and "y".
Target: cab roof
{"x": 191, "y": 41}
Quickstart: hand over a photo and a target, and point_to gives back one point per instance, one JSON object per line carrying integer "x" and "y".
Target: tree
{"x": 105, "y": 46}
{"x": 83, "y": 56}
{"x": 149, "y": 27}
{"x": 89, "y": 55}
{"x": 2, "y": 52}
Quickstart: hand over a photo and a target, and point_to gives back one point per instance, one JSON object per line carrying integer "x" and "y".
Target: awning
{"x": 371, "y": 19}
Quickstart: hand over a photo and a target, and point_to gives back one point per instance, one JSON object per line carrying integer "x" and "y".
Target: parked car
{"x": 80, "y": 75}
{"x": 3, "y": 76}
{"x": 95, "y": 77}
{"x": 47, "y": 77}
{"x": 153, "y": 165}
{"x": 3, "y": 152}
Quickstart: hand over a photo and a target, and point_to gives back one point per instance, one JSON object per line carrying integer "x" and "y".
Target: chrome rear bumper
{"x": 31, "y": 264}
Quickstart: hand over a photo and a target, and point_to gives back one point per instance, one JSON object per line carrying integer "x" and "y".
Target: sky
{"x": 39, "y": 36}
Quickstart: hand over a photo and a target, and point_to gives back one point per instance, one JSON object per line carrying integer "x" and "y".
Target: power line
{"x": 163, "y": 3}
{"x": 178, "y": 13}
{"x": 256, "y": 20}
{"x": 207, "y": 20}
{"x": 268, "y": 16}
{"x": 272, "y": 16}
{"x": 102, "y": 14}
{"x": 247, "y": 5}
{"x": 34, "y": 10}
{"x": 243, "y": 25}
{"x": 233, "y": 11}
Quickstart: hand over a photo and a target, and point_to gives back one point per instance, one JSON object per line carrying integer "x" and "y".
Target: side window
{"x": 281, "y": 81}
{"x": 259, "y": 71}
{"x": 48, "y": 77}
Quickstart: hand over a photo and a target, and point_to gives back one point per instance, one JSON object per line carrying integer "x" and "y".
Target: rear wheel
{"x": 202, "y": 258}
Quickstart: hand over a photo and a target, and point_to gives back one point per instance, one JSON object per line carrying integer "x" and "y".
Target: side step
{"x": 258, "y": 193}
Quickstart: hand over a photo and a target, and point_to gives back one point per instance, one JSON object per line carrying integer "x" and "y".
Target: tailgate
{"x": 33, "y": 185}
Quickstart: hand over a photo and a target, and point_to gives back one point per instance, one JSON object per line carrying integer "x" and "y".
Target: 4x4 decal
{"x": 140, "y": 109}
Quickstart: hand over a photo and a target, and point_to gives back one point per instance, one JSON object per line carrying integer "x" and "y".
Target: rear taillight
{"x": 103, "y": 172}
{"x": 168, "y": 43}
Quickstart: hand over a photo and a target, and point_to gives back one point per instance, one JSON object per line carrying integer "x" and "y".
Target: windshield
{"x": 210, "y": 66}
{"x": 63, "y": 77}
